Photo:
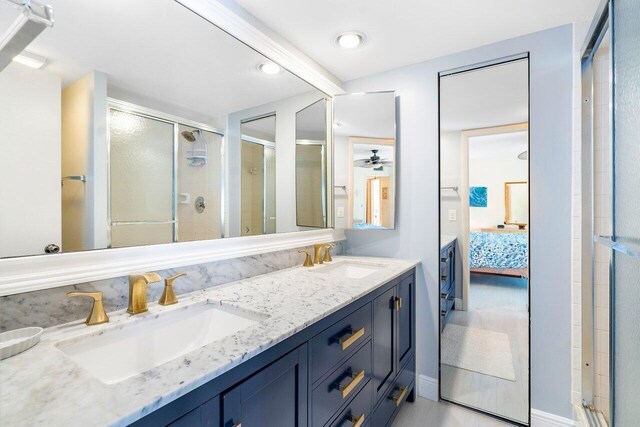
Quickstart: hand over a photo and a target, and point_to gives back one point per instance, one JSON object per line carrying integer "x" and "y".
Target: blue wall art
{"x": 478, "y": 197}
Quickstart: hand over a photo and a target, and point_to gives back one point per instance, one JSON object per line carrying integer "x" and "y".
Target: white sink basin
{"x": 121, "y": 353}
{"x": 350, "y": 269}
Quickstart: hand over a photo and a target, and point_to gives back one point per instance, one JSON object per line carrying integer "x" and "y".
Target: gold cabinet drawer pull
{"x": 348, "y": 341}
{"x": 403, "y": 392}
{"x": 357, "y": 421}
{"x": 398, "y": 303}
{"x": 357, "y": 379}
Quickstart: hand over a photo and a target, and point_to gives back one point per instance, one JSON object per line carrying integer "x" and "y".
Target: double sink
{"x": 121, "y": 352}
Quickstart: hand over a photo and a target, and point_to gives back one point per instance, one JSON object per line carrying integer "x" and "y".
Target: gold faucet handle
{"x": 327, "y": 252}
{"x": 97, "y": 315}
{"x": 168, "y": 295}
{"x": 308, "y": 262}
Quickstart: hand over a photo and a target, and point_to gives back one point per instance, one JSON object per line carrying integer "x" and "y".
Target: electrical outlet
{"x": 452, "y": 214}
{"x": 340, "y": 212}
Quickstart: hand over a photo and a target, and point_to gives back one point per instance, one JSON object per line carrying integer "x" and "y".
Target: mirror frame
{"x": 31, "y": 273}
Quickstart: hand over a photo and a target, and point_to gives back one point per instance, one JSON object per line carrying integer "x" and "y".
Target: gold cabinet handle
{"x": 348, "y": 341}
{"x": 403, "y": 392}
{"x": 97, "y": 314}
{"x": 168, "y": 295}
{"x": 357, "y": 421}
{"x": 398, "y": 303}
{"x": 347, "y": 389}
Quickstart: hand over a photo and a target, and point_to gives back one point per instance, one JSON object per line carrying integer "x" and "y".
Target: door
{"x": 405, "y": 308}
{"x": 384, "y": 329}
{"x": 278, "y": 393}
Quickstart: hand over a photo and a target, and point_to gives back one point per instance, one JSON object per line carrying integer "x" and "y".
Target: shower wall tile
{"x": 52, "y": 307}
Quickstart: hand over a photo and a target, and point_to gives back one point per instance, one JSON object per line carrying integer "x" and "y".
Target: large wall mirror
{"x": 116, "y": 132}
{"x": 364, "y": 128}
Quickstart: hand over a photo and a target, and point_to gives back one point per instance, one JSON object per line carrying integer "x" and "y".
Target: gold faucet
{"x": 317, "y": 250}
{"x": 307, "y": 259}
{"x": 138, "y": 291}
{"x": 168, "y": 295}
{"x": 327, "y": 252}
{"x": 97, "y": 315}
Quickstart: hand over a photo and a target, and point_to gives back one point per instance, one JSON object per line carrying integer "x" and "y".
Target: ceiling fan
{"x": 374, "y": 161}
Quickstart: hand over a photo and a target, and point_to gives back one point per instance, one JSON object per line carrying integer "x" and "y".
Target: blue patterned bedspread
{"x": 365, "y": 226}
{"x": 498, "y": 250}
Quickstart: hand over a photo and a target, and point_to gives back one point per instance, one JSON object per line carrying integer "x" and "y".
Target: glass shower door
{"x": 141, "y": 180}
{"x": 625, "y": 294}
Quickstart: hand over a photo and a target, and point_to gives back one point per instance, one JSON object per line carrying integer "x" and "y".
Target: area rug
{"x": 478, "y": 350}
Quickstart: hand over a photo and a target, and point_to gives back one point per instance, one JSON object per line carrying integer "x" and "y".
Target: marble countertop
{"x": 42, "y": 386}
{"x": 445, "y": 240}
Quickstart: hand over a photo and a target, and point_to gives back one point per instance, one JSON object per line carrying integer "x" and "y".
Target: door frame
{"x": 464, "y": 197}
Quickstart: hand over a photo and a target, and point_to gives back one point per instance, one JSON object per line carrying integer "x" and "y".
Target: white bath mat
{"x": 478, "y": 350}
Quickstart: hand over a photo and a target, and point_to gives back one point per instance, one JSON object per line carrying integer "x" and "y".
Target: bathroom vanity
{"x": 331, "y": 345}
{"x": 447, "y": 277}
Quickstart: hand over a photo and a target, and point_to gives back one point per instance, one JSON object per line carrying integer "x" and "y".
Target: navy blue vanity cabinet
{"x": 354, "y": 367}
{"x": 447, "y": 281}
{"x": 275, "y": 396}
{"x": 384, "y": 340}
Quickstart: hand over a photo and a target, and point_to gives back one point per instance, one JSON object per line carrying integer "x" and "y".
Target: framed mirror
{"x": 516, "y": 204}
{"x": 311, "y": 170}
{"x": 122, "y": 134}
{"x": 364, "y": 128}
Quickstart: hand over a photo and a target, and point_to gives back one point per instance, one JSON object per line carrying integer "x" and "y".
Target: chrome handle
{"x": 403, "y": 392}
{"x": 52, "y": 249}
{"x": 347, "y": 389}
{"x": 355, "y": 336}
{"x": 357, "y": 421}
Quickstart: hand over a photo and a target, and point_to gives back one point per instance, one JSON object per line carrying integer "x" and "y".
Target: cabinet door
{"x": 405, "y": 308}
{"x": 275, "y": 396}
{"x": 384, "y": 329}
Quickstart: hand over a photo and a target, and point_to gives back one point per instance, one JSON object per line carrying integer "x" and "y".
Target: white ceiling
{"x": 487, "y": 97}
{"x": 369, "y": 115}
{"x": 502, "y": 145}
{"x": 402, "y": 32}
{"x": 159, "y": 50}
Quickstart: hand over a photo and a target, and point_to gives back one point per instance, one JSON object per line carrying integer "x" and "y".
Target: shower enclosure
{"x": 610, "y": 229}
{"x": 165, "y": 177}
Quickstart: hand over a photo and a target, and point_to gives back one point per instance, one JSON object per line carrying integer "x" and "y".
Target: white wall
{"x": 493, "y": 172}
{"x": 285, "y": 111}
{"x": 417, "y": 231}
{"x": 30, "y": 214}
{"x": 85, "y": 152}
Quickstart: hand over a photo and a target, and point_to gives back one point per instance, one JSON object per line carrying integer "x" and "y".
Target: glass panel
{"x": 140, "y": 234}
{"x": 270, "y": 189}
{"x": 626, "y": 285}
{"x": 252, "y": 189}
{"x": 309, "y": 185}
{"x": 141, "y": 168}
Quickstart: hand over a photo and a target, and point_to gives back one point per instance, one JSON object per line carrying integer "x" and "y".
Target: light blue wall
{"x": 416, "y": 235}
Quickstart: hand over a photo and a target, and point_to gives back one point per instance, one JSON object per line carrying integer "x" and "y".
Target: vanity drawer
{"x": 341, "y": 385}
{"x": 358, "y": 411}
{"x": 395, "y": 396}
{"x": 339, "y": 341}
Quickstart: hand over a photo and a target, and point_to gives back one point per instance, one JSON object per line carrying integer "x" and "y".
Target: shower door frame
{"x": 175, "y": 121}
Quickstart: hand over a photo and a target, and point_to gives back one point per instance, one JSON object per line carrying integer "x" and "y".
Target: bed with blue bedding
{"x": 498, "y": 253}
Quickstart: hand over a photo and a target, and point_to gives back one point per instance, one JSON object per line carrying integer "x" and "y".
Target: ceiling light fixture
{"x": 270, "y": 68}
{"x": 350, "y": 40}
{"x": 30, "y": 60}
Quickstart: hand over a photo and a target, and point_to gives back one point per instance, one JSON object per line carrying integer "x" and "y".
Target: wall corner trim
{"x": 428, "y": 387}
{"x": 546, "y": 419}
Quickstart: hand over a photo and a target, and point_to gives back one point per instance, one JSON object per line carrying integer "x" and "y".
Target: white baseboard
{"x": 545, "y": 419}
{"x": 428, "y": 387}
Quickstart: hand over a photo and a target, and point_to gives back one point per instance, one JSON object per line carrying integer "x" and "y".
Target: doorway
{"x": 484, "y": 252}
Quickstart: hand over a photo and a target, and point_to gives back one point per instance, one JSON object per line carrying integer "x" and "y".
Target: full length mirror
{"x": 364, "y": 128}
{"x": 116, "y": 132}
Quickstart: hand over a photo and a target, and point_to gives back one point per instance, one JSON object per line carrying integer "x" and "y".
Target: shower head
{"x": 189, "y": 135}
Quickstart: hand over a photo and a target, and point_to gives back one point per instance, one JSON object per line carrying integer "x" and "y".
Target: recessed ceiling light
{"x": 30, "y": 60}
{"x": 350, "y": 40}
{"x": 269, "y": 68}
